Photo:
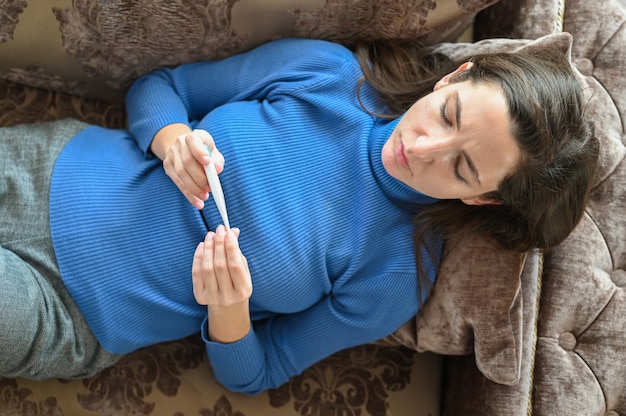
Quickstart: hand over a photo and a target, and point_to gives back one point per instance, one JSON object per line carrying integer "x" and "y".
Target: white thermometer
{"x": 216, "y": 189}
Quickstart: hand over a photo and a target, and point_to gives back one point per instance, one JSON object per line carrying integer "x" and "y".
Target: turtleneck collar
{"x": 395, "y": 190}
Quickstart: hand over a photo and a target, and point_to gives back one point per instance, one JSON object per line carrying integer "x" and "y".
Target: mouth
{"x": 401, "y": 157}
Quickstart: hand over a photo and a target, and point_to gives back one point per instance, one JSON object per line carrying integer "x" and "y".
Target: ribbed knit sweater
{"x": 326, "y": 231}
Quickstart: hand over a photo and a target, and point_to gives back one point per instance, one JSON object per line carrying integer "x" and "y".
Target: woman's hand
{"x": 222, "y": 281}
{"x": 184, "y": 160}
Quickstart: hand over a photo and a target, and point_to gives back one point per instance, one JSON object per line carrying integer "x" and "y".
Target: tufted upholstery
{"x": 582, "y": 330}
{"x": 579, "y": 364}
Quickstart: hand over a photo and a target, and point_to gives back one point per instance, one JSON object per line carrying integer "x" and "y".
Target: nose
{"x": 429, "y": 148}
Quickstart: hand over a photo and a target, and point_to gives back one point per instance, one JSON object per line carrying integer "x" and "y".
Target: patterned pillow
{"x": 97, "y": 48}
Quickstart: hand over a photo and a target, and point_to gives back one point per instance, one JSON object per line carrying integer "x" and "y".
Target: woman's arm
{"x": 167, "y": 136}
{"x": 221, "y": 280}
{"x": 164, "y": 105}
{"x": 280, "y": 347}
{"x": 187, "y": 93}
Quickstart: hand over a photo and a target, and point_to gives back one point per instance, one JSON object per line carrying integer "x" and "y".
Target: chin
{"x": 434, "y": 195}
{"x": 389, "y": 164}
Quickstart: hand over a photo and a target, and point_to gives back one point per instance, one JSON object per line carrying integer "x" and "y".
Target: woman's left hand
{"x": 222, "y": 281}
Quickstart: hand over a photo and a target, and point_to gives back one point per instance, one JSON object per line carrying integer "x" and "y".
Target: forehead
{"x": 487, "y": 129}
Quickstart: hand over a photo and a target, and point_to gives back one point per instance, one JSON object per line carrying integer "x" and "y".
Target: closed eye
{"x": 442, "y": 112}
{"x": 457, "y": 172}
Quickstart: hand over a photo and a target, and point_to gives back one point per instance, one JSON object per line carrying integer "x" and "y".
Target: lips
{"x": 400, "y": 157}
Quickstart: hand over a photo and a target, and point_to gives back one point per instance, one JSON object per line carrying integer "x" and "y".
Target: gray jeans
{"x": 42, "y": 332}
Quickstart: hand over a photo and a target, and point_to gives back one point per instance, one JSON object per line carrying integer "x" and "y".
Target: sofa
{"x": 502, "y": 333}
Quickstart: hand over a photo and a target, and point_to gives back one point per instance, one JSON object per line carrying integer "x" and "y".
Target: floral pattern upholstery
{"x": 97, "y": 48}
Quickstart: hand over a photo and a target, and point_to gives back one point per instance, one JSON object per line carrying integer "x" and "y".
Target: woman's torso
{"x": 302, "y": 181}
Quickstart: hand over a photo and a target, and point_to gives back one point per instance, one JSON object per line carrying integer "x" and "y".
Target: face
{"x": 454, "y": 143}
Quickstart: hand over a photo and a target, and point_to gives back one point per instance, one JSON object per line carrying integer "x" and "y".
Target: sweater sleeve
{"x": 187, "y": 93}
{"x": 359, "y": 311}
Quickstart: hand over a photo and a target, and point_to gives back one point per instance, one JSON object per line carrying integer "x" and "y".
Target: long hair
{"x": 544, "y": 198}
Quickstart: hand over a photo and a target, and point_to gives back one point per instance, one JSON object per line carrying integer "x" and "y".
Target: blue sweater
{"x": 327, "y": 232}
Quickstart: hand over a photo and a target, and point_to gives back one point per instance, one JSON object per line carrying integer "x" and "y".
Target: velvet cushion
{"x": 97, "y": 48}
{"x": 476, "y": 305}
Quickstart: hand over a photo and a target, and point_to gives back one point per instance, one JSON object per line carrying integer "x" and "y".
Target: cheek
{"x": 387, "y": 158}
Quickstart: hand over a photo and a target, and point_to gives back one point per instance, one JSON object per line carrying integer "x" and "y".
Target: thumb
{"x": 208, "y": 146}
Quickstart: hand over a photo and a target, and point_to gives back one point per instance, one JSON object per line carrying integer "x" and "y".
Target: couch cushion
{"x": 97, "y": 48}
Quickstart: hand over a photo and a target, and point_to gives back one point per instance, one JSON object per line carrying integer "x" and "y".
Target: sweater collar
{"x": 395, "y": 190}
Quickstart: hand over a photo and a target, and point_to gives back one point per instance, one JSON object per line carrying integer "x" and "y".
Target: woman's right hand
{"x": 184, "y": 162}
{"x": 221, "y": 280}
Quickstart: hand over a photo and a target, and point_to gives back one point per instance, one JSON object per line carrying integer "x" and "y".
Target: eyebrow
{"x": 458, "y": 111}
{"x": 468, "y": 159}
{"x": 471, "y": 166}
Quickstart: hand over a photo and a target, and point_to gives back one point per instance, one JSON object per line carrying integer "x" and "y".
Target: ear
{"x": 480, "y": 200}
{"x": 446, "y": 79}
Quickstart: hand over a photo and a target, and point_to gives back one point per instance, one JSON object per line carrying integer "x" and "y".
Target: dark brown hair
{"x": 545, "y": 197}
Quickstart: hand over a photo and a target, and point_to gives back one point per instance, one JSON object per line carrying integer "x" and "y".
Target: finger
{"x": 208, "y": 268}
{"x": 192, "y": 176}
{"x": 199, "y": 142}
{"x": 238, "y": 268}
{"x": 188, "y": 176}
{"x": 190, "y": 169}
{"x": 199, "y": 287}
{"x": 195, "y": 200}
{"x": 220, "y": 264}
{"x": 204, "y": 140}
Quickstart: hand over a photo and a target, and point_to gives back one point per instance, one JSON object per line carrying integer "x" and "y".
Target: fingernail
{"x": 221, "y": 229}
{"x": 210, "y": 236}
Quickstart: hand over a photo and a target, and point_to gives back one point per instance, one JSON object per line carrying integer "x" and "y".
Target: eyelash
{"x": 442, "y": 112}
{"x": 457, "y": 174}
{"x": 457, "y": 162}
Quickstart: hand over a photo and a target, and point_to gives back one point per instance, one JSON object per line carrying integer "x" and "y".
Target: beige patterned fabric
{"x": 96, "y": 48}
{"x": 175, "y": 379}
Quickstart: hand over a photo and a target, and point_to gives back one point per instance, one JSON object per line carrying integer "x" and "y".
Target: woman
{"x": 324, "y": 179}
